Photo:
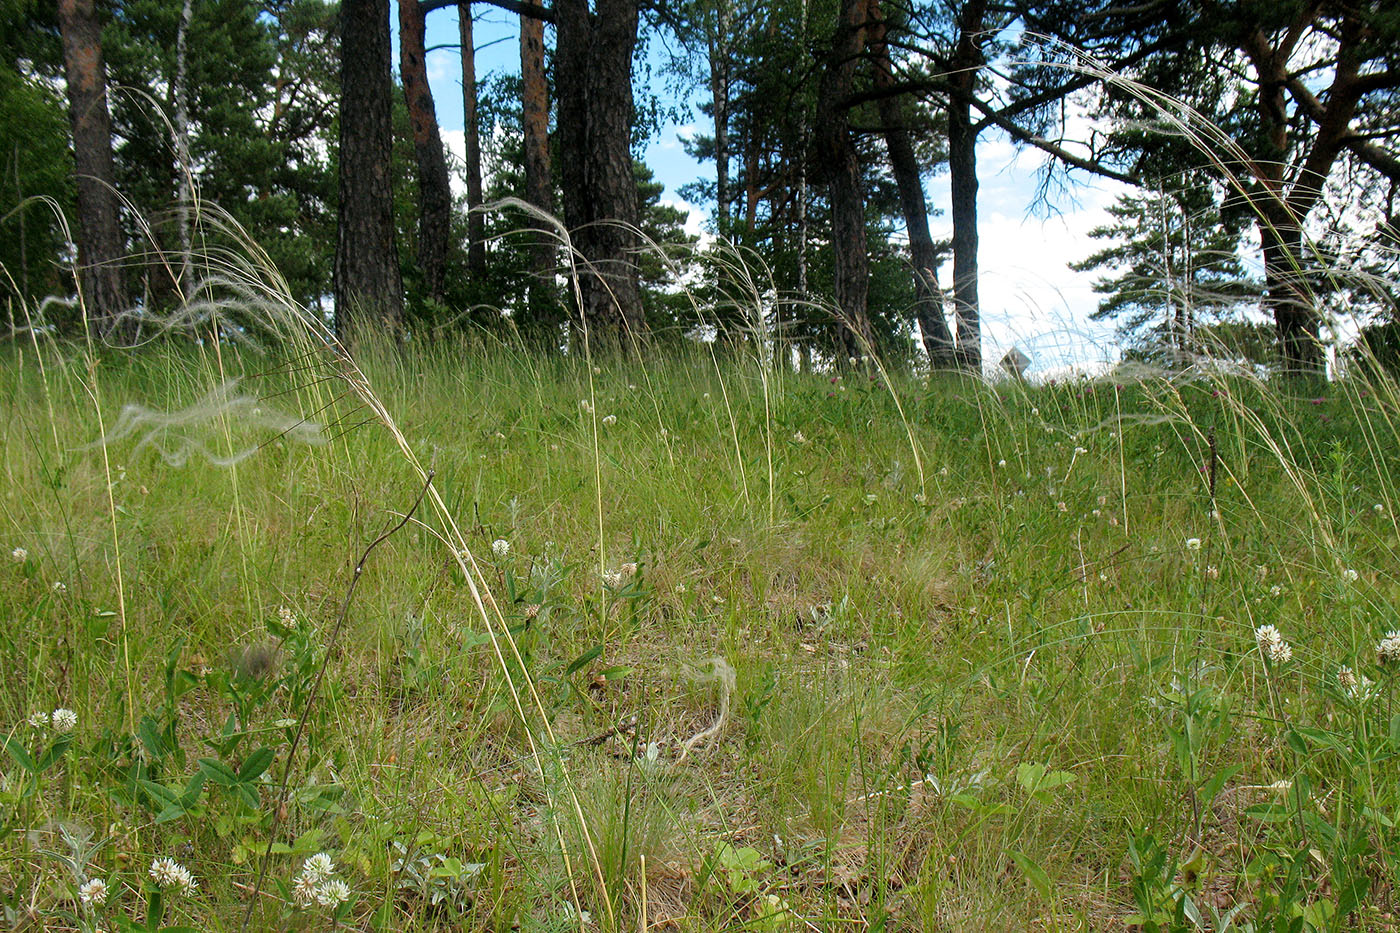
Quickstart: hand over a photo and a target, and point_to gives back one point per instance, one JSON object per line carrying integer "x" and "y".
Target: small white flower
{"x": 1361, "y": 689}
{"x": 1350, "y": 576}
{"x": 943, "y": 471}
{"x": 1213, "y": 572}
{"x": 1096, "y": 513}
{"x": 1035, "y": 412}
{"x": 1061, "y": 507}
{"x": 170, "y": 874}
{"x": 1261, "y": 571}
{"x": 1388, "y": 648}
{"x": 1275, "y": 590}
{"x": 93, "y": 891}
{"x": 1378, "y": 508}
{"x": 19, "y": 555}
{"x": 333, "y": 893}
{"x": 286, "y": 616}
{"x": 798, "y": 438}
{"x": 1193, "y": 544}
{"x": 1001, "y": 463}
{"x": 871, "y": 497}
{"x": 318, "y": 867}
{"x": 920, "y": 498}
{"x": 501, "y": 548}
{"x": 627, "y": 569}
{"x": 1080, "y": 451}
{"x": 39, "y": 720}
{"x": 304, "y": 890}
{"x": 60, "y": 587}
{"x": 680, "y": 587}
{"x": 1272, "y": 645}
{"x": 64, "y": 720}
{"x": 610, "y": 420}
{"x": 585, "y": 406}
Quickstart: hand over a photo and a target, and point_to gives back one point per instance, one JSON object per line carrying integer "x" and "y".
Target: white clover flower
{"x": 304, "y": 890}
{"x": 1378, "y": 508}
{"x": 1096, "y": 513}
{"x": 1350, "y": 576}
{"x": 60, "y": 587}
{"x": 39, "y": 720}
{"x": 1360, "y": 689}
{"x": 627, "y": 569}
{"x": 610, "y": 420}
{"x": 19, "y": 555}
{"x": 63, "y": 720}
{"x": 1388, "y": 648}
{"x": 612, "y": 578}
{"x": 920, "y": 498}
{"x": 1061, "y": 507}
{"x": 1080, "y": 451}
{"x": 1275, "y": 590}
{"x": 680, "y": 587}
{"x": 170, "y": 874}
{"x": 501, "y": 548}
{"x": 943, "y": 471}
{"x": 1001, "y": 463}
{"x": 1272, "y": 645}
{"x": 871, "y": 497}
{"x": 333, "y": 893}
{"x": 798, "y": 437}
{"x": 286, "y": 616}
{"x": 1213, "y": 572}
{"x": 93, "y": 891}
{"x": 318, "y": 867}
{"x": 1193, "y": 544}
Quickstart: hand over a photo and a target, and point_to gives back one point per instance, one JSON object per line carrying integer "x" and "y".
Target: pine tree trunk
{"x": 476, "y": 221}
{"x": 719, "y": 102}
{"x": 434, "y": 184}
{"x": 836, "y": 152}
{"x": 928, "y": 297}
{"x": 544, "y": 311}
{"x": 100, "y": 241}
{"x": 593, "y": 75}
{"x": 962, "y": 172}
{"x": 185, "y": 169}
{"x": 368, "y": 288}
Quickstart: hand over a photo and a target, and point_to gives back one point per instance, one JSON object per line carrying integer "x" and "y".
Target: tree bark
{"x": 928, "y": 297}
{"x": 476, "y": 221}
{"x": 837, "y": 154}
{"x": 962, "y": 172}
{"x": 719, "y": 102}
{"x": 185, "y": 168}
{"x": 544, "y": 317}
{"x": 434, "y": 184}
{"x": 368, "y": 288}
{"x": 593, "y": 75}
{"x": 100, "y": 241}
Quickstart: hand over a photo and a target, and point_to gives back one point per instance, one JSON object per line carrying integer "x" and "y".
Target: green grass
{"x": 979, "y": 679}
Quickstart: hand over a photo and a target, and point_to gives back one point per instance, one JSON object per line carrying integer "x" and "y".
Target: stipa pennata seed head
{"x": 501, "y": 548}
{"x": 1388, "y": 648}
{"x": 93, "y": 891}
{"x": 63, "y": 720}
{"x": 1271, "y": 644}
{"x": 170, "y": 875}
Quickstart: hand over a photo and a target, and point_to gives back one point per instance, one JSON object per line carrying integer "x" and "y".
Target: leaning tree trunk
{"x": 476, "y": 221}
{"x": 544, "y": 317}
{"x": 928, "y": 297}
{"x": 99, "y": 228}
{"x": 593, "y": 75}
{"x": 367, "y": 282}
{"x": 434, "y": 184}
{"x": 962, "y": 172}
{"x": 836, "y": 152}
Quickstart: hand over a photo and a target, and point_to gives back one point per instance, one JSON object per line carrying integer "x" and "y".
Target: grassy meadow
{"x": 700, "y": 644}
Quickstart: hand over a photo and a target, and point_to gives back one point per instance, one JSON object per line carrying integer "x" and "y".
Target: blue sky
{"x": 1030, "y": 298}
